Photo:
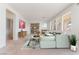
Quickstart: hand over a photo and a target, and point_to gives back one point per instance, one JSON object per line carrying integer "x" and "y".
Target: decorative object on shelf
{"x": 73, "y": 42}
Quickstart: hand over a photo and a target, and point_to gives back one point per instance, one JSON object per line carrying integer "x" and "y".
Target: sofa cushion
{"x": 48, "y": 38}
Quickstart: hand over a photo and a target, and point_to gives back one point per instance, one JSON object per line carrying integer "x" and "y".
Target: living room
{"x": 42, "y": 26}
{"x": 54, "y": 31}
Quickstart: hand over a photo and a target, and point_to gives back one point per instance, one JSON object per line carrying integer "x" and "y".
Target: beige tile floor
{"x": 17, "y": 49}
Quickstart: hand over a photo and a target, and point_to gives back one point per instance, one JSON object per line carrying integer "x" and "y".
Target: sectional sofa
{"x": 58, "y": 41}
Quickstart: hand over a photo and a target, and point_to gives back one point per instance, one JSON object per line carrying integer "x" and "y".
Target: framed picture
{"x": 21, "y": 24}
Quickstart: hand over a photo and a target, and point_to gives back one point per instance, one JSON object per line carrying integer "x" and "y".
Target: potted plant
{"x": 73, "y": 42}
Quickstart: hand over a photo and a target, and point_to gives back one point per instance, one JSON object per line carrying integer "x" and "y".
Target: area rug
{"x": 31, "y": 44}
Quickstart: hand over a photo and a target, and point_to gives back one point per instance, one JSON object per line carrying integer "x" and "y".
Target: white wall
{"x": 2, "y": 26}
{"x": 17, "y": 17}
{"x": 16, "y": 27}
{"x": 75, "y": 20}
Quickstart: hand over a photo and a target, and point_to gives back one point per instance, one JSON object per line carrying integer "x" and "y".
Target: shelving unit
{"x": 34, "y": 28}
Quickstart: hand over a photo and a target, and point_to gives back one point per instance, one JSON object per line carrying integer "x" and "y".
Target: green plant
{"x": 73, "y": 40}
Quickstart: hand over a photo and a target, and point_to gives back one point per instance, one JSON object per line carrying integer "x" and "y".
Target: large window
{"x": 66, "y": 21}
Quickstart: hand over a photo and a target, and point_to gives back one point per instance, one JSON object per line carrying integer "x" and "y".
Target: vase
{"x": 73, "y": 48}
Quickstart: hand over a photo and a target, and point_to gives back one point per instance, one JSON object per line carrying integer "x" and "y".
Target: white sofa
{"x": 61, "y": 41}
{"x": 47, "y": 42}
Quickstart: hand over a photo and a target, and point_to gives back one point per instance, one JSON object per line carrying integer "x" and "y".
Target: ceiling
{"x": 38, "y": 11}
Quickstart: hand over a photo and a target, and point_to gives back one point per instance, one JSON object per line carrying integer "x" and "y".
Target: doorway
{"x": 9, "y": 28}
